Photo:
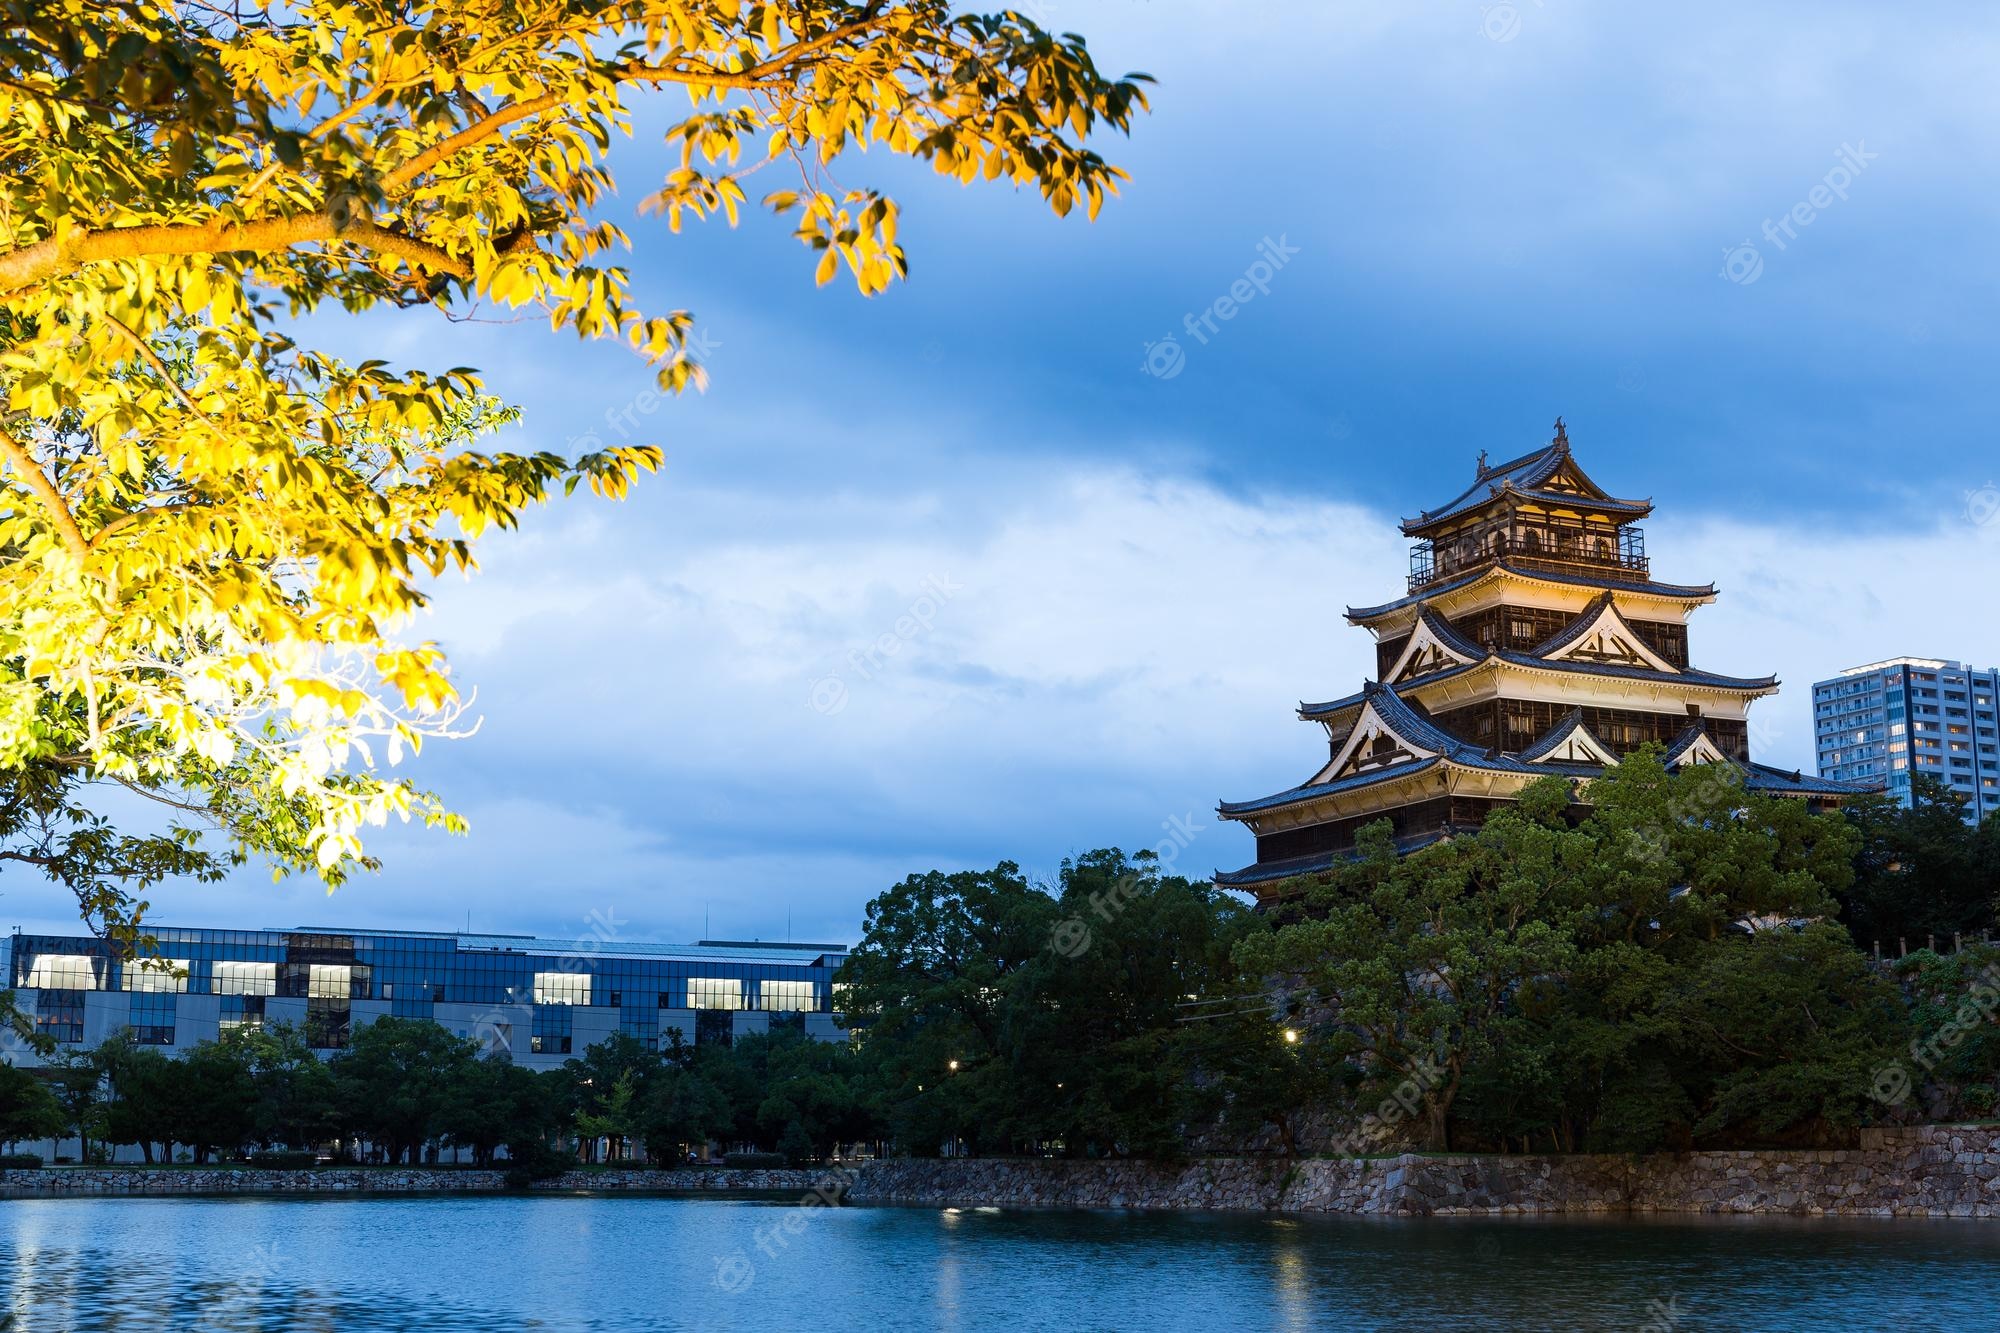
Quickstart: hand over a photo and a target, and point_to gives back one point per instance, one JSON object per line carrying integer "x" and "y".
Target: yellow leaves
{"x": 259, "y": 517}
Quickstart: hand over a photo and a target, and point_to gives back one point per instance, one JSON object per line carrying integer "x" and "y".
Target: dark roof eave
{"x": 1674, "y": 591}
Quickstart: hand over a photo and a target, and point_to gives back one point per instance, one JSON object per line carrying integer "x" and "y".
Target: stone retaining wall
{"x": 53, "y": 1182}
{"x": 1934, "y": 1171}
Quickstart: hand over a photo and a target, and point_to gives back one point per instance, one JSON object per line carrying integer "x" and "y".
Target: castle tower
{"x": 1532, "y": 640}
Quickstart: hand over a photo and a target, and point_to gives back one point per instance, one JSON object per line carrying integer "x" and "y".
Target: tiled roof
{"x": 1416, "y": 728}
{"x": 1689, "y": 676}
{"x": 1690, "y": 591}
{"x": 1312, "y": 791}
{"x": 1764, "y": 778}
{"x": 1557, "y": 734}
{"x": 1525, "y": 474}
{"x": 1573, "y": 631}
{"x": 1267, "y": 871}
{"x": 1701, "y": 679}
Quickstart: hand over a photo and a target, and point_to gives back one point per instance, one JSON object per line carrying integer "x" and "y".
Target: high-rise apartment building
{"x": 1888, "y": 721}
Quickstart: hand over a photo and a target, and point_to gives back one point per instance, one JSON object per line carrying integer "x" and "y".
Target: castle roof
{"x": 1532, "y": 477}
{"x": 1691, "y": 592}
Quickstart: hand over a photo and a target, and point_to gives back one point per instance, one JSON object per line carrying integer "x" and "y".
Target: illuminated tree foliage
{"x": 210, "y": 532}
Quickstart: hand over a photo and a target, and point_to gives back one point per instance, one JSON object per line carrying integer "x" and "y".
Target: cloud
{"x": 1066, "y": 664}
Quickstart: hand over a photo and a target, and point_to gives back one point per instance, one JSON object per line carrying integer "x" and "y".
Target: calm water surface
{"x": 622, "y": 1263}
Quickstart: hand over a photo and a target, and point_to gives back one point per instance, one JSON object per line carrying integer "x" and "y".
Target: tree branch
{"x": 55, "y": 256}
{"x": 32, "y": 476}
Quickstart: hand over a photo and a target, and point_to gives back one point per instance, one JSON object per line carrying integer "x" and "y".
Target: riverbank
{"x": 1938, "y": 1171}
{"x": 95, "y": 1181}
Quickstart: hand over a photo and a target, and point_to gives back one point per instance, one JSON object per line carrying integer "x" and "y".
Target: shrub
{"x": 1978, "y": 1099}
{"x": 284, "y": 1159}
{"x": 531, "y": 1162}
{"x": 20, "y": 1161}
{"x": 754, "y": 1160}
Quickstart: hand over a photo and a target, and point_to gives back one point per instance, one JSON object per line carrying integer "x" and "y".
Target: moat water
{"x": 631, "y": 1263}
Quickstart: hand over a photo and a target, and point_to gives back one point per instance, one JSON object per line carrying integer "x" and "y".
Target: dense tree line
{"x": 1682, "y": 965}
{"x": 1921, "y": 872}
{"x": 1669, "y": 970}
{"x": 405, "y": 1089}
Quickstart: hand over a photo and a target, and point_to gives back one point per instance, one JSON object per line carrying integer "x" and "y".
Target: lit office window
{"x": 782, "y": 995}
{"x": 246, "y": 978}
{"x": 157, "y": 974}
{"x": 715, "y": 993}
{"x": 329, "y": 981}
{"x": 65, "y": 971}
{"x": 562, "y": 988}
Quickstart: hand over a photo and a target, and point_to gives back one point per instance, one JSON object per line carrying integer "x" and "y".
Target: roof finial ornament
{"x": 1482, "y": 464}
{"x": 1562, "y": 435}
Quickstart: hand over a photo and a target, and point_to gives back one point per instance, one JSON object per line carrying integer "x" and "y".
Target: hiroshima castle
{"x": 1532, "y": 640}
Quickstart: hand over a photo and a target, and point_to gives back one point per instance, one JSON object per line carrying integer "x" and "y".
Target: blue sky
{"x": 1116, "y": 584}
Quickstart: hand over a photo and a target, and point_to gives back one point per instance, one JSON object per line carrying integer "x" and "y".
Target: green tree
{"x": 28, "y": 1109}
{"x": 1420, "y": 958}
{"x": 216, "y": 1105}
{"x": 1095, "y": 1051}
{"x": 1922, "y": 871}
{"x": 927, "y": 987}
{"x": 296, "y": 1099}
{"x": 495, "y": 1103}
{"x": 77, "y": 1081}
{"x": 608, "y": 1081}
{"x": 394, "y": 1079}
{"x": 140, "y": 1096}
{"x": 682, "y": 1110}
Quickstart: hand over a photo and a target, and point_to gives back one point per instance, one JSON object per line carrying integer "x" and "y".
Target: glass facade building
{"x": 538, "y": 1000}
{"x": 1888, "y": 721}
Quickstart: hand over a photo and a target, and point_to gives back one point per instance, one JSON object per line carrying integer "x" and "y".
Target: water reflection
{"x": 609, "y": 1265}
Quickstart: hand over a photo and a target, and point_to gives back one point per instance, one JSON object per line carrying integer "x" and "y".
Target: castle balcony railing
{"x": 1564, "y": 546}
